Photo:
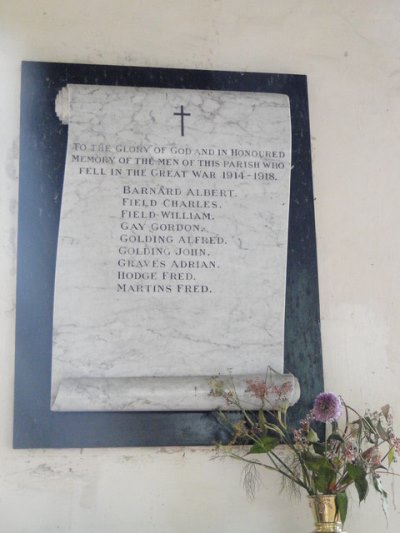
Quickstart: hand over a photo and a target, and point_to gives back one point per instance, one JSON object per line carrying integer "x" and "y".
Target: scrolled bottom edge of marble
{"x": 170, "y": 393}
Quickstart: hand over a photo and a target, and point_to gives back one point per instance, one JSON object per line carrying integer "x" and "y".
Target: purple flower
{"x": 327, "y": 407}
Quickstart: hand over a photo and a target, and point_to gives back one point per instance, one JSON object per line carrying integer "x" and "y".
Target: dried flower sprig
{"x": 356, "y": 452}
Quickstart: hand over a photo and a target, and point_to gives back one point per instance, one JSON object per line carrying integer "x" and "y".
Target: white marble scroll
{"x": 172, "y": 248}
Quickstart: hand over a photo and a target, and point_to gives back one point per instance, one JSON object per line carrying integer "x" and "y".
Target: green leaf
{"x": 264, "y": 444}
{"x": 324, "y": 479}
{"x": 368, "y": 423}
{"x": 312, "y": 436}
{"x": 383, "y": 494}
{"x": 362, "y": 487}
{"x": 385, "y": 410}
{"x": 378, "y": 486}
{"x": 391, "y": 456}
{"x": 319, "y": 448}
{"x": 335, "y": 436}
{"x": 341, "y": 503}
{"x": 355, "y": 429}
{"x": 384, "y": 435}
{"x": 315, "y": 463}
{"x": 324, "y": 473}
{"x": 261, "y": 420}
{"x": 355, "y": 471}
{"x": 359, "y": 476}
{"x": 369, "y": 429}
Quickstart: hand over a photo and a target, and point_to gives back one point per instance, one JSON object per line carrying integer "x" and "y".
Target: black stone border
{"x": 43, "y": 143}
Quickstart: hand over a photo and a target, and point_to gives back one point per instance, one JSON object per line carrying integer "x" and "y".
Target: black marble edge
{"x": 35, "y": 425}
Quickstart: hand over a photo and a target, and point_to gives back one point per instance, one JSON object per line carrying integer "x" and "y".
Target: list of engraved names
{"x": 172, "y": 203}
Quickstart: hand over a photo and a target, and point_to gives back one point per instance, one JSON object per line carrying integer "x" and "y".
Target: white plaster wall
{"x": 350, "y": 50}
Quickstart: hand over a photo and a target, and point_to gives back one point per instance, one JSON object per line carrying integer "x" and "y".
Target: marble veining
{"x": 172, "y": 249}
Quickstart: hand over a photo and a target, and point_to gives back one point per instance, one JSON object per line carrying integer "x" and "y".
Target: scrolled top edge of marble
{"x": 62, "y": 106}
{"x": 63, "y": 98}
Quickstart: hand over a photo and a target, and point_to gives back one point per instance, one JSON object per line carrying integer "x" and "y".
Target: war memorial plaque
{"x": 170, "y": 253}
{"x": 172, "y": 245}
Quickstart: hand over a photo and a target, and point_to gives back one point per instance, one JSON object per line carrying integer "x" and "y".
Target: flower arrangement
{"x": 355, "y": 449}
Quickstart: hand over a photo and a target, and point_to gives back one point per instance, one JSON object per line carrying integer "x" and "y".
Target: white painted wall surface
{"x": 350, "y": 50}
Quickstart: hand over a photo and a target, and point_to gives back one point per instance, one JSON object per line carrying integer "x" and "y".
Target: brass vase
{"x": 325, "y": 513}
